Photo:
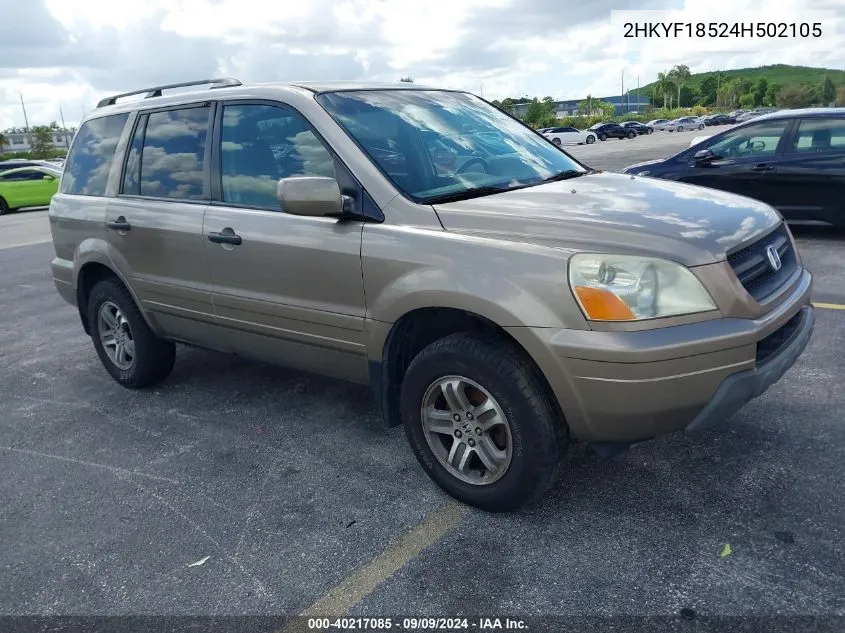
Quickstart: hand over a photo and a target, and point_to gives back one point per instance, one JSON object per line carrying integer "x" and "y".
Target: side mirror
{"x": 314, "y": 196}
{"x": 704, "y": 156}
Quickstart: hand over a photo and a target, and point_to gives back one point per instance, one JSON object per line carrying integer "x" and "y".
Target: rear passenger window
{"x": 87, "y": 168}
{"x": 261, "y": 144}
{"x": 820, "y": 135}
{"x": 173, "y": 154}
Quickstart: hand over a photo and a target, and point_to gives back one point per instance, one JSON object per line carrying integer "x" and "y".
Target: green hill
{"x": 780, "y": 74}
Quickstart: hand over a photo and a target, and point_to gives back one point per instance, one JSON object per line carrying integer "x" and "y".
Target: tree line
{"x": 720, "y": 91}
{"x": 674, "y": 89}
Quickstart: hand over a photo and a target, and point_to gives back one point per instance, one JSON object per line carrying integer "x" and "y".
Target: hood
{"x": 654, "y": 161}
{"x": 616, "y": 213}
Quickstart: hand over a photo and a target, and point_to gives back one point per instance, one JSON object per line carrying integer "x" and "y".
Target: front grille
{"x": 777, "y": 339}
{"x": 752, "y": 267}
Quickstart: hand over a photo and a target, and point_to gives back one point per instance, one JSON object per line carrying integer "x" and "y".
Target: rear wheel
{"x": 590, "y": 139}
{"x": 556, "y": 141}
{"x": 129, "y": 350}
{"x": 680, "y": 128}
{"x": 649, "y": 131}
{"x": 481, "y": 423}
{"x": 700, "y": 126}
{"x": 4, "y": 208}
{"x": 603, "y": 136}
{"x": 631, "y": 134}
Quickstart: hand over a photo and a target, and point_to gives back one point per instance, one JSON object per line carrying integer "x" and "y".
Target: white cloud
{"x": 70, "y": 53}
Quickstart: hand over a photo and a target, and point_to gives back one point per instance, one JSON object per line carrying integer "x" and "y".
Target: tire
{"x": 680, "y": 128}
{"x": 590, "y": 139}
{"x": 151, "y": 357}
{"x": 650, "y": 131}
{"x": 4, "y": 208}
{"x": 532, "y": 428}
{"x": 556, "y": 142}
{"x": 631, "y": 134}
{"x": 700, "y": 127}
{"x": 602, "y": 136}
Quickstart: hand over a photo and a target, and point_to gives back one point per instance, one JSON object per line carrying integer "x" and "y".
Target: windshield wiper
{"x": 467, "y": 194}
{"x": 566, "y": 175}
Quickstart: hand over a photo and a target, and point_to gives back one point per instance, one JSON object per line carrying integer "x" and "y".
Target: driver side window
{"x": 760, "y": 139}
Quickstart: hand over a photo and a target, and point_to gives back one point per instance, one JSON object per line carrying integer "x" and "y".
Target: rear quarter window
{"x": 89, "y": 162}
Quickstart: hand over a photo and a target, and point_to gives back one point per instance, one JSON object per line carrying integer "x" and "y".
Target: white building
{"x": 20, "y": 142}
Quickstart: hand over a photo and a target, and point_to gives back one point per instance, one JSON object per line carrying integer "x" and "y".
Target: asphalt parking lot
{"x": 302, "y": 502}
{"x": 614, "y": 154}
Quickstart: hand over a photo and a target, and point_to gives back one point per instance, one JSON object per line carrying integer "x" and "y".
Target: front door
{"x": 288, "y": 288}
{"x": 155, "y": 223}
{"x": 21, "y": 187}
{"x": 746, "y": 159}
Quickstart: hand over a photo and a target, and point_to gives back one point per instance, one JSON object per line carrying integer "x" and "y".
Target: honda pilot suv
{"x": 500, "y": 298}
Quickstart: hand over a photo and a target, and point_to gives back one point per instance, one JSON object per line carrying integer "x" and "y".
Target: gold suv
{"x": 500, "y": 298}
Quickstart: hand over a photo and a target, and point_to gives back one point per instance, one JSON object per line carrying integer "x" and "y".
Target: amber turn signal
{"x": 603, "y": 305}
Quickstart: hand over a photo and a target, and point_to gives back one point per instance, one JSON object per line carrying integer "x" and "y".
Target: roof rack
{"x": 155, "y": 91}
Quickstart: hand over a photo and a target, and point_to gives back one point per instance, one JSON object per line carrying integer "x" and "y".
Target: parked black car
{"x": 718, "y": 119}
{"x": 793, "y": 160}
{"x": 639, "y": 128}
{"x": 611, "y": 130}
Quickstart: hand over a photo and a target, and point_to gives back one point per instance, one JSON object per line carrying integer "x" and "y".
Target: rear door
{"x": 747, "y": 159}
{"x": 810, "y": 183}
{"x": 288, "y": 288}
{"x": 155, "y": 223}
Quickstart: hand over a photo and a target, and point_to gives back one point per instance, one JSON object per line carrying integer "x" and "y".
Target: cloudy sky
{"x": 69, "y": 53}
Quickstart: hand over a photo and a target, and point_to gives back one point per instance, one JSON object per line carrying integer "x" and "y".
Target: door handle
{"x": 120, "y": 224}
{"x": 225, "y": 238}
{"x": 762, "y": 167}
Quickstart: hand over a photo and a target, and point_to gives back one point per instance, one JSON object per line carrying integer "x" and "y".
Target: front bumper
{"x": 630, "y": 386}
{"x": 737, "y": 389}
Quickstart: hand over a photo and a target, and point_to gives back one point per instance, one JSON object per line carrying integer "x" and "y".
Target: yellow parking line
{"x": 829, "y": 306}
{"x": 363, "y": 581}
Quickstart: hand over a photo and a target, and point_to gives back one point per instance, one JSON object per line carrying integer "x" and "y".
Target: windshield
{"x": 438, "y": 145}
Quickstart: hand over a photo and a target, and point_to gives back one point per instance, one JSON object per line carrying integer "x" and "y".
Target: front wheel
{"x": 700, "y": 127}
{"x": 556, "y": 142}
{"x": 631, "y": 134}
{"x": 129, "y": 350}
{"x": 650, "y": 131}
{"x": 481, "y": 422}
{"x": 680, "y": 129}
{"x": 603, "y": 136}
{"x": 4, "y": 208}
{"x": 591, "y": 139}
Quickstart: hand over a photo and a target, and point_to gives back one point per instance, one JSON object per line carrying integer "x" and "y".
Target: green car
{"x": 28, "y": 187}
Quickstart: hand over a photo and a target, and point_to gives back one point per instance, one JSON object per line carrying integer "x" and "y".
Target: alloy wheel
{"x": 467, "y": 430}
{"x": 116, "y": 335}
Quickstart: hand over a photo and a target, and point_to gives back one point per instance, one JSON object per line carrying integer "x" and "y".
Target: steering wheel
{"x": 472, "y": 161}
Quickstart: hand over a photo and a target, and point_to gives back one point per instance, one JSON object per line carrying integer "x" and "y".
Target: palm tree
{"x": 665, "y": 85}
{"x": 680, "y": 75}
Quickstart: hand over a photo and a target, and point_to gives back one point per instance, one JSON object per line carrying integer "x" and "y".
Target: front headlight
{"x": 630, "y": 288}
